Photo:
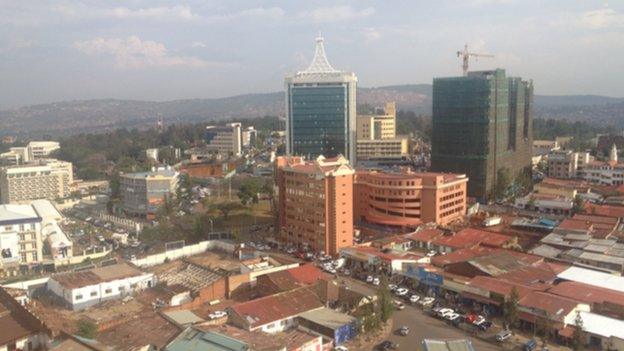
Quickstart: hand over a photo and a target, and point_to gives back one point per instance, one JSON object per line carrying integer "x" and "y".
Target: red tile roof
{"x": 425, "y": 235}
{"x": 16, "y": 322}
{"x": 575, "y": 224}
{"x": 276, "y": 307}
{"x": 604, "y": 210}
{"x": 587, "y": 293}
{"x": 470, "y": 237}
{"x": 388, "y": 257}
{"x": 557, "y": 307}
{"x": 498, "y": 286}
{"x": 536, "y": 275}
{"x": 460, "y": 255}
{"x": 306, "y": 274}
{"x": 594, "y": 218}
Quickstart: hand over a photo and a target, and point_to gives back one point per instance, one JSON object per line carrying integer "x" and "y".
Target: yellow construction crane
{"x": 466, "y": 56}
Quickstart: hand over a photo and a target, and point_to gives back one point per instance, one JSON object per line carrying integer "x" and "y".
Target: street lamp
{"x": 211, "y": 225}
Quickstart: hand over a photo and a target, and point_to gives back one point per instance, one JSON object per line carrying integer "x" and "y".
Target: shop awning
{"x": 481, "y": 299}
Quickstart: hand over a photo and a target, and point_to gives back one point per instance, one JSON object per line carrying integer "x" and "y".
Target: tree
{"x": 199, "y": 228}
{"x": 86, "y": 329}
{"x": 248, "y": 191}
{"x": 510, "y": 308}
{"x": 227, "y": 207}
{"x": 369, "y": 319}
{"x": 578, "y": 204}
{"x": 577, "y": 336}
{"x": 503, "y": 180}
{"x": 544, "y": 327}
{"x": 384, "y": 299}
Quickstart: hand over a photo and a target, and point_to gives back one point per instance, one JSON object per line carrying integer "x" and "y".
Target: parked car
{"x": 414, "y": 298}
{"x": 392, "y": 287}
{"x": 485, "y": 325}
{"x": 503, "y": 335}
{"x": 427, "y": 301}
{"x": 404, "y": 330}
{"x": 369, "y": 279}
{"x": 376, "y": 281}
{"x": 478, "y": 320}
{"x": 452, "y": 316}
{"x": 530, "y": 345}
{"x": 387, "y": 345}
{"x": 217, "y": 314}
{"x": 401, "y": 291}
{"x": 341, "y": 348}
{"x": 442, "y": 313}
{"x": 399, "y": 305}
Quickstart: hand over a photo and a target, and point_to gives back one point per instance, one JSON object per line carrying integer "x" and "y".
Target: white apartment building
{"x": 24, "y": 154}
{"x": 16, "y": 156}
{"x": 382, "y": 149}
{"x": 43, "y": 149}
{"x": 83, "y": 289}
{"x": 249, "y": 136}
{"x": 47, "y": 179}
{"x": 379, "y": 126}
{"x": 226, "y": 140}
{"x": 20, "y": 237}
{"x": 565, "y": 164}
{"x": 605, "y": 172}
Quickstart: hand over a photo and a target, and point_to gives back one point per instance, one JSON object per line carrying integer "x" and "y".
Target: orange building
{"x": 407, "y": 199}
{"x": 315, "y": 202}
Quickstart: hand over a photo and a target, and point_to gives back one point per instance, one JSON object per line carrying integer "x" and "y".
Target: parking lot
{"x": 421, "y": 325}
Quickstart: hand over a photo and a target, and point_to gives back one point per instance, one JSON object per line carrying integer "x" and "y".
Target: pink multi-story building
{"x": 407, "y": 199}
{"x": 315, "y": 202}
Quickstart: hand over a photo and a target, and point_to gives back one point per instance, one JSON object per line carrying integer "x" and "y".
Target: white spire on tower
{"x": 319, "y": 64}
{"x": 614, "y": 154}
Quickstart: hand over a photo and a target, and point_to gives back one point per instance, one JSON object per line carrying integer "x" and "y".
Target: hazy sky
{"x": 162, "y": 50}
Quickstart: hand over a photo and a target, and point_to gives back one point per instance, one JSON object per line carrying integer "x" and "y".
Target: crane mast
{"x": 466, "y": 55}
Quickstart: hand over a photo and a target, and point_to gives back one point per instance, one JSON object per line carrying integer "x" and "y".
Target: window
{"x": 79, "y": 297}
{"x": 93, "y": 293}
{"x": 108, "y": 291}
{"x": 122, "y": 288}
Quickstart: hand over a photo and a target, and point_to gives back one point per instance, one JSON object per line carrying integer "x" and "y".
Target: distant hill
{"x": 574, "y": 100}
{"x": 72, "y": 117}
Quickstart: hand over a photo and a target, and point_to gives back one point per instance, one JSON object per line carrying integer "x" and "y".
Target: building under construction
{"x": 482, "y": 123}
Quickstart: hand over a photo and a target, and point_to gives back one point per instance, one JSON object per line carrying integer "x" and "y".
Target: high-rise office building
{"x": 321, "y": 110}
{"x": 315, "y": 202}
{"x": 482, "y": 123}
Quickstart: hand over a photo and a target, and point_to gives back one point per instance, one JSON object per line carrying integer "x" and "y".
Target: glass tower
{"x": 482, "y": 123}
{"x": 321, "y": 110}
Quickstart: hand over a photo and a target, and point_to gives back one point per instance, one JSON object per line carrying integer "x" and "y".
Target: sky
{"x": 163, "y": 50}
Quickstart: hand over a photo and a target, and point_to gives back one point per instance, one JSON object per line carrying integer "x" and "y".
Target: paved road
{"x": 421, "y": 325}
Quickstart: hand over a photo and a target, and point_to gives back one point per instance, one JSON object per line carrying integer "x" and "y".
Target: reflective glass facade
{"x": 481, "y": 123}
{"x": 319, "y": 119}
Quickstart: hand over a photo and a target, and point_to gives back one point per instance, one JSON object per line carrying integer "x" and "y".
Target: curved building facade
{"x": 407, "y": 199}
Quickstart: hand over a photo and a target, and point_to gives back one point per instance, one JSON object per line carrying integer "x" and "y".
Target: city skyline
{"x": 165, "y": 51}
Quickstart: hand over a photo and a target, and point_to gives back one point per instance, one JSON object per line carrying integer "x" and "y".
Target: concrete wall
{"x": 86, "y": 296}
{"x": 188, "y": 250}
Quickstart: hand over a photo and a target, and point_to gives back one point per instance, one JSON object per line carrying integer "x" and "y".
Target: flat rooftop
{"x": 328, "y": 318}
{"x": 98, "y": 275}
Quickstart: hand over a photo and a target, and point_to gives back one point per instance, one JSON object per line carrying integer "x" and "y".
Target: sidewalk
{"x": 518, "y": 340}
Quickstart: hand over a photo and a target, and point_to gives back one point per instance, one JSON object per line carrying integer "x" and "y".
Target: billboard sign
{"x": 9, "y": 247}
